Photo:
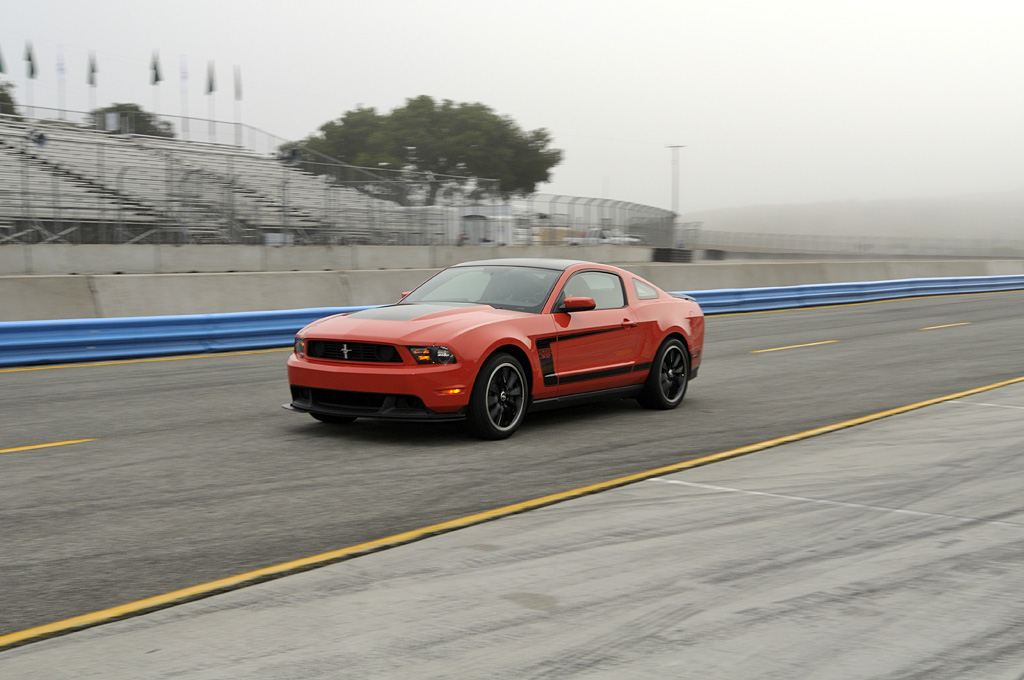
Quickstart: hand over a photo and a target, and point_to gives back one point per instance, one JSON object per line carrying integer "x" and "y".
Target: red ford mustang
{"x": 489, "y": 341}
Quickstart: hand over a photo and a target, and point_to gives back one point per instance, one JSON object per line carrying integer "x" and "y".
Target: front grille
{"x": 335, "y": 350}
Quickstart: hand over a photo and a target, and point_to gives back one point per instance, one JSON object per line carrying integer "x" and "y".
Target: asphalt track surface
{"x": 192, "y": 472}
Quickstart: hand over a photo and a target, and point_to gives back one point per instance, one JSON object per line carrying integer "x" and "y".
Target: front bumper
{"x": 399, "y": 392}
{"x": 365, "y": 405}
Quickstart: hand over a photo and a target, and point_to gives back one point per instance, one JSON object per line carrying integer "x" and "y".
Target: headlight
{"x": 432, "y": 355}
{"x": 300, "y": 347}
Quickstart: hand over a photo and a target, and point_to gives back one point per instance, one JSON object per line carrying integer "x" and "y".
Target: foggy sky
{"x": 777, "y": 102}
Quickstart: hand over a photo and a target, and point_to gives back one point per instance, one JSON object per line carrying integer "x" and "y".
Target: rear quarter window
{"x": 644, "y": 291}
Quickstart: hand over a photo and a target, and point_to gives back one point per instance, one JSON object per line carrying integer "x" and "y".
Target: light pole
{"x": 675, "y": 176}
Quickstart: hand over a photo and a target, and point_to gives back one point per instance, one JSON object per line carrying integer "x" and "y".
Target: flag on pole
{"x": 1, "y": 62}
{"x": 238, "y": 83}
{"x": 156, "y": 68}
{"x": 210, "y": 86}
{"x": 30, "y": 61}
{"x": 92, "y": 69}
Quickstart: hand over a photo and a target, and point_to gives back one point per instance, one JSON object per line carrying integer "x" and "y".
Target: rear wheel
{"x": 670, "y": 373}
{"x": 328, "y": 418}
{"x": 500, "y": 395}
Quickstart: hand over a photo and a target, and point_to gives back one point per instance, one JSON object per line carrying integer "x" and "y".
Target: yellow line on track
{"x": 144, "y": 361}
{"x": 948, "y": 325}
{"x": 809, "y": 344}
{"x": 45, "y": 446}
{"x": 267, "y": 573}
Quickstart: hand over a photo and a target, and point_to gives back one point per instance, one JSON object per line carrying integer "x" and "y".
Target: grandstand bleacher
{"x": 64, "y": 183}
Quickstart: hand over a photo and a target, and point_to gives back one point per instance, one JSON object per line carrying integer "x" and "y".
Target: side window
{"x": 605, "y": 288}
{"x": 644, "y": 291}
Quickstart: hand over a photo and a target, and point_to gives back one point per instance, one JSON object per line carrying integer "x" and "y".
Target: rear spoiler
{"x": 683, "y": 296}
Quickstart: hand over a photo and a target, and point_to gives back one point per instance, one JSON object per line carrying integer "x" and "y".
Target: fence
{"x": 552, "y": 218}
{"x": 769, "y": 245}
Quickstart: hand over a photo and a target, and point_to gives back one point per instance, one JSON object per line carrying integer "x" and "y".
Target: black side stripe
{"x": 595, "y": 375}
{"x": 547, "y": 365}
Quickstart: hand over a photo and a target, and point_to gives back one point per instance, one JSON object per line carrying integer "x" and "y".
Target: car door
{"x": 595, "y": 349}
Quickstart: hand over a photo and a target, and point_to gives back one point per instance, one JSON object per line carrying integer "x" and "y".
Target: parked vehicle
{"x": 599, "y": 235}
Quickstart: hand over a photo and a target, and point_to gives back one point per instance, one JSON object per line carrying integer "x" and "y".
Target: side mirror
{"x": 404, "y": 295}
{"x": 577, "y": 304}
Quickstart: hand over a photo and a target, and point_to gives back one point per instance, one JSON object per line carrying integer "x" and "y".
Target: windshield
{"x": 523, "y": 289}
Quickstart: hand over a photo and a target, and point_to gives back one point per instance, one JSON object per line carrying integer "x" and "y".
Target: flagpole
{"x": 238, "y": 106}
{"x": 210, "y": 88}
{"x": 30, "y": 75}
{"x": 92, "y": 86}
{"x": 61, "y": 81}
{"x": 156, "y": 83}
{"x": 184, "y": 97}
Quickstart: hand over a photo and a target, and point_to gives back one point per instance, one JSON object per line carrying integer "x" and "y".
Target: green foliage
{"x": 7, "y": 104}
{"x": 134, "y": 120}
{"x": 457, "y": 141}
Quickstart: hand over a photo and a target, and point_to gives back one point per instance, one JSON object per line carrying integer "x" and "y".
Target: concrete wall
{"x": 108, "y": 295}
{"x": 708, "y": 276}
{"x": 57, "y": 259}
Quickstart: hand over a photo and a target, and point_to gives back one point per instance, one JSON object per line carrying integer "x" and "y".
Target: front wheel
{"x": 500, "y": 395}
{"x": 670, "y": 373}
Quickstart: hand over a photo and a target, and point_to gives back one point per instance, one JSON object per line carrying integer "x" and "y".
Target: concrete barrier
{"x": 63, "y": 259}
{"x": 145, "y": 295}
{"x": 46, "y": 297}
{"x": 93, "y": 295}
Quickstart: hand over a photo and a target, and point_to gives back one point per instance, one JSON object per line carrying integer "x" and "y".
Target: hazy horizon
{"x": 793, "y": 102}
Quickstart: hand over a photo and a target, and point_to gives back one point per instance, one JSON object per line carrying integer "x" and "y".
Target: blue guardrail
{"x": 24, "y": 343}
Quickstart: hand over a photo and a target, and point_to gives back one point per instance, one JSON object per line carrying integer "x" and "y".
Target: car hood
{"x": 418, "y": 323}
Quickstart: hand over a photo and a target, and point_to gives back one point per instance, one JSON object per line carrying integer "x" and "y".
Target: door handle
{"x": 628, "y": 323}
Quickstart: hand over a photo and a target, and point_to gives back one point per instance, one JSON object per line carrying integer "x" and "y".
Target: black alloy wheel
{"x": 499, "y": 399}
{"x": 669, "y": 376}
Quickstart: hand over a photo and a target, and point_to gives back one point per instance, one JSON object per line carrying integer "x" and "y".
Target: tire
{"x": 335, "y": 420}
{"x": 669, "y": 376}
{"x": 499, "y": 399}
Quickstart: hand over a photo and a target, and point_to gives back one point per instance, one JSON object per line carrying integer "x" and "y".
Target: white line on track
{"x": 977, "y": 403}
{"x": 878, "y": 508}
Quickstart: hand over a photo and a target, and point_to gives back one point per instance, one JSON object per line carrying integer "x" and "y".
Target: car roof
{"x": 539, "y": 262}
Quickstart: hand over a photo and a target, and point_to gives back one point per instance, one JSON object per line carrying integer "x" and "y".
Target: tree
{"x": 448, "y": 144}
{"x": 7, "y": 104}
{"x": 134, "y": 120}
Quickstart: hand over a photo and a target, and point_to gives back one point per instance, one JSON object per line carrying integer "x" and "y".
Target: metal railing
{"x": 553, "y": 218}
{"x": 768, "y": 245}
